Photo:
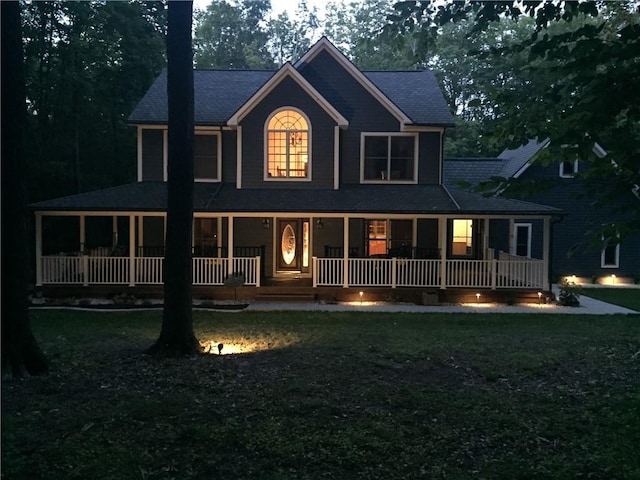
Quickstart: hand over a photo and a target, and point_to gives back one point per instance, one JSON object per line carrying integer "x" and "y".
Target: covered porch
{"x": 348, "y": 251}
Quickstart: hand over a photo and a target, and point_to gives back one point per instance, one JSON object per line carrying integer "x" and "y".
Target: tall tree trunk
{"x": 177, "y": 337}
{"x": 21, "y": 354}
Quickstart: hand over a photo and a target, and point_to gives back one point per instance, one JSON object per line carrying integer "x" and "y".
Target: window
{"x": 205, "y": 156}
{"x": 610, "y": 256}
{"x": 287, "y": 146}
{"x": 568, "y": 169}
{"x": 521, "y": 240}
{"x": 376, "y": 237}
{"x": 389, "y": 158}
{"x": 462, "y": 238}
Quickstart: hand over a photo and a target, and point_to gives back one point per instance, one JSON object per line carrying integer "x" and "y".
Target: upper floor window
{"x": 287, "y": 145}
{"x": 389, "y": 157}
{"x": 568, "y": 169}
{"x": 206, "y": 154}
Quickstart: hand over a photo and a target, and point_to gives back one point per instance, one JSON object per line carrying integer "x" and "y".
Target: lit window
{"x": 287, "y": 146}
{"x": 389, "y": 158}
{"x": 462, "y": 238}
{"x": 568, "y": 169}
{"x": 205, "y": 156}
{"x": 377, "y": 237}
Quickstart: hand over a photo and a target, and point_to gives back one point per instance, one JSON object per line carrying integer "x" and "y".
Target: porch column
{"x": 230, "y": 245}
{"x": 345, "y": 253}
{"x": 219, "y": 237}
{"x": 546, "y": 239}
{"x": 83, "y": 259}
{"x": 485, "y": 239}
{"x": 82, "y": 233}
{"x": 442, "y": 235}
{"x": 38, "y": 249}
{"x": 132, "y": 250}
{"x": 114, "y": 229}
{"x": 140, "y": 239}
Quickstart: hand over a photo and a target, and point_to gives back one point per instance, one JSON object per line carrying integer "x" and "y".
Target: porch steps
{"x": 285, "y": 297}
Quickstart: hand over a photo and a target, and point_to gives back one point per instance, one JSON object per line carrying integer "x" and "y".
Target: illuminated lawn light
{"x": 539, "y": 297}
{"x": 361, "y": 294}
{"x": 478, "y": 297}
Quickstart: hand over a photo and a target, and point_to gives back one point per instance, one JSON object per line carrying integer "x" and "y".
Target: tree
{"x": 177, "y": 337}
{"x": 20, "y": 352}
{"x": 231, "y": 35}
{"x": 578, "y": 87}
{"x": 290, "y": 38}
{"x": 86, "y": 66}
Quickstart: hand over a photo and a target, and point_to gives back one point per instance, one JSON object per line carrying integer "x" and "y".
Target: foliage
{"x": 87, "y": 65}
{"x": 569, "y": 295}
{"x": 231, "y": 35}
{"x": 576, "y": 88}
{"x": 331, "y": 395}
{"x": 290, "y": 38}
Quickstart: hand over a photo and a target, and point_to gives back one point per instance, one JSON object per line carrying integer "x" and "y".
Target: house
{"x": 316, "y": 173}
{"x": 573, "y": 256}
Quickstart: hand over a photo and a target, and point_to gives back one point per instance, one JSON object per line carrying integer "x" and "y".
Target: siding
{"x": 287, "y": 94}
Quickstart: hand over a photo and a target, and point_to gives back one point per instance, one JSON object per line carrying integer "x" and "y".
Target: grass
{"x": 625, "y": 297}
{"x": 330, "y": 395}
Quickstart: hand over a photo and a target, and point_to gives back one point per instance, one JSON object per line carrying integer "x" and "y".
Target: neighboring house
{"x": 316, "y": 171}
{"x": 573, "y": 255}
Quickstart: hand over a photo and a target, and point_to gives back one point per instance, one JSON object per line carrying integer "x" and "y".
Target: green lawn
{"x": 625, "y": 297}
{"x": 330, "y": 396}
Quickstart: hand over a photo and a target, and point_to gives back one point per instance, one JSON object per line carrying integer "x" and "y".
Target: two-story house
{"x": 574, "y": 256}
{"x": 316, "y": 171}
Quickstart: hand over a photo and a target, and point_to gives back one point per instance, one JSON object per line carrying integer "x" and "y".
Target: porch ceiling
{"x": 349, "y": 199}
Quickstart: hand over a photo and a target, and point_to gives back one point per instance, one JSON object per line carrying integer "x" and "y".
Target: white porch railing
{"x": 86, "y": 270}
{"x": 506, "y": 272}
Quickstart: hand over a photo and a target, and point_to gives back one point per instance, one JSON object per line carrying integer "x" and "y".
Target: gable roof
{"x": 415, "y": 96}
{"x": 287, "y": 70}
{"x": 324, "y": 45}
{"x": 516, "y": 161}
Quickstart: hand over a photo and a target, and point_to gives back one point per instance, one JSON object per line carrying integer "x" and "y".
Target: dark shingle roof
{"x": 212, "y": 197}
{"x": 470, "y": 170}
{"x": 416, "y": 93}
{"x": 517, "y": 158}
{"x": 219, "y": 93}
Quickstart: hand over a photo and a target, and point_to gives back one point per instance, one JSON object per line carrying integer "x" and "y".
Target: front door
{"x": 292, "y": 245}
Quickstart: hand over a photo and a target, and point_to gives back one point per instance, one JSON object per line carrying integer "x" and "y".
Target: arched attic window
{"x": 287, "y": 145}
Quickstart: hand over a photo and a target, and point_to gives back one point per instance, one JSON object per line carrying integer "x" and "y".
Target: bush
{"x": 569, "y": 294}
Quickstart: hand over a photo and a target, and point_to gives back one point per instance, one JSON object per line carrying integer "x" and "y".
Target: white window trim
{"x": 514, "y": 243}
{"x": 617, "y": 262}
{"x": 363, "y": 137}
{"x": 218, "y": 156}
{"x": 265, "y": 168}
{"x": 561, "y": 169}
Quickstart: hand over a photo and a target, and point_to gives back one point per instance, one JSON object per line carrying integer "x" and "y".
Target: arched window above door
{"x": 288, "y": 139}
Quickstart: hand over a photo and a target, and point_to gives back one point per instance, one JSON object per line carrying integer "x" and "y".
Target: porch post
{"x": 83, "y": 258}
{"x": 345, "y": 253}
{"x": 546, "y": 239}
{"x": 132, "y": 250}
{"x": 230, "y": 245}
{"x": 140, "y": 239}
{"x": 82, "y": 233}
{"x": 38, "y": 249}
{"x": 485, "y": 239}
{"x": 442, "y": 234}
{"x": 114, "y": 229}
